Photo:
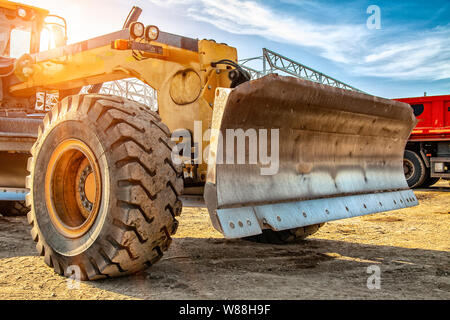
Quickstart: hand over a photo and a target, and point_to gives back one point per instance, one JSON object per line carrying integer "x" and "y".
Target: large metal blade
{"x": 340, "y": 155}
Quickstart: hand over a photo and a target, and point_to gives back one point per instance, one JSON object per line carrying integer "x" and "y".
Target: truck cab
{"x": 427, "y": 153}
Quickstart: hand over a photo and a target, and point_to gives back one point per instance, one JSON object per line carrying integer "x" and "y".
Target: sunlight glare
{"x": 46, "y": 40}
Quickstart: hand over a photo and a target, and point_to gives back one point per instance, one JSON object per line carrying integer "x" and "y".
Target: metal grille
{"x": 46, "y": 100}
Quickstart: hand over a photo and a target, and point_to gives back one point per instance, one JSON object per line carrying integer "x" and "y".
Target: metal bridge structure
{"x": 273, "y": 62}
{"x": 138, "y": 91}
{"x": 132, "y": 89}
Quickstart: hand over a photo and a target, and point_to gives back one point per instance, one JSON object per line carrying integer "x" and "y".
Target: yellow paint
{"x": 54, "y": 188}
{"x": 439, "y": 131}
{"x": 14, "y": 6}
{"x": 178, "y": 108}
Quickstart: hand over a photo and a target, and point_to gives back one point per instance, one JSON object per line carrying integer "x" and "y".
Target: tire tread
{"x": 147, "y": 184}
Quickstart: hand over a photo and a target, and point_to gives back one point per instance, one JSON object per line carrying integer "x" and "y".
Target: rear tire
{"x": 13, "y": 208}
{"x": 284, "y": 236}
{"x": 414, "y": 168}
{"x": 429, "y": 182}
{"x": 120, "y": 220}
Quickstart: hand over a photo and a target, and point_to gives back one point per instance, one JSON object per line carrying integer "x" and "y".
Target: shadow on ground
{"x": 235, "y": 269}
{"x": 214, "y": 268}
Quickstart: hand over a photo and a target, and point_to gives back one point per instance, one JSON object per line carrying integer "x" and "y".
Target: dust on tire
{"x": 144, "y": 185}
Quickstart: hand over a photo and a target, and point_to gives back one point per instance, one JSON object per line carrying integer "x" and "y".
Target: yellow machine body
{"x": 340, "y": 152}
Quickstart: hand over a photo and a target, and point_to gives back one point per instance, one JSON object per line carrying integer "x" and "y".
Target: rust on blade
{"x": 332, "y": 142}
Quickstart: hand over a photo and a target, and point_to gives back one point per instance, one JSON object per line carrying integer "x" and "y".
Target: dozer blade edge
{"x": 340, "y": 155}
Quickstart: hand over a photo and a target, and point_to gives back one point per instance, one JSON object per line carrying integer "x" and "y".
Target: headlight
{"x": 439, "y": 167}
{"x": 21, "y": 12}
{"x": 137, "y": 30}
{"x": 151, "y": 33}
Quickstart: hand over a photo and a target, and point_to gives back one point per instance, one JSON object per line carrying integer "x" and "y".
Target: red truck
{"x": 427, "y": 153}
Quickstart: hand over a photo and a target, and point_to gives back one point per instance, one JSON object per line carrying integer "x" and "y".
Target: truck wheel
{"x": 103, "y": 189}
{"x": 429, "y": 181}
{"x": 285, "y": 236}
{"x": 414, "y": 169}
{"x": 13, "y": 208}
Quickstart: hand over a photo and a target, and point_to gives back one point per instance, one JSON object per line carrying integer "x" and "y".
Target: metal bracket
{"x": 13, "y": 194}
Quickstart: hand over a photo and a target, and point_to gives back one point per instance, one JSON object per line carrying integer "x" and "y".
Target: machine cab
{"x": 27, "y": 30}
{"x": 20, "y": 28}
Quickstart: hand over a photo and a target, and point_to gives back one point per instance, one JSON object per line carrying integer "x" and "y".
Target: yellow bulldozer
{"x": 274, "y": 158}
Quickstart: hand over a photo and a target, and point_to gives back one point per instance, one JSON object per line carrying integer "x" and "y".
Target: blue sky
{"x": 408, "y": 55}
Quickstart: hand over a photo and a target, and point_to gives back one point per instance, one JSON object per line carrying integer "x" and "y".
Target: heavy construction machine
{"x": 106, "y": 174}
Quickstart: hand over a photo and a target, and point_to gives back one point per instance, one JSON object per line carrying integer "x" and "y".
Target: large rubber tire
{"x": 429, "y": 181}
{"x": 13, "y": 208}
{"x": 284, "y": 236}
{"x": 139, "y": 187}
{"x": 415, "y": 171}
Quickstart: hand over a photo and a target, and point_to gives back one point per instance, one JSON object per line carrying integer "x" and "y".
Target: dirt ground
{"x": 410, "y": 246}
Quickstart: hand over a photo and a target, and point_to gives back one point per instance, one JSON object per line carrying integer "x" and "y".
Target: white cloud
{"x": 252, "y": 18}
{"x": 426, "y": 57}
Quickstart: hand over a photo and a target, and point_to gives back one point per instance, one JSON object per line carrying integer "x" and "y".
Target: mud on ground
{"x": 410, "y": 246}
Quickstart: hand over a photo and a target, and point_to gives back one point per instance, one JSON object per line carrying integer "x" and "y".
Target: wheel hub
{"x": 86, "y": 189}
{"x": 408, "y": 168}
{"x": 72, "y": 188}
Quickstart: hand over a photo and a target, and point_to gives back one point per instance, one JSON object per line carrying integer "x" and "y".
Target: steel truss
{"x": 132, "y": 89}
{"x": 273, "y": 62}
